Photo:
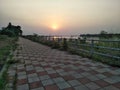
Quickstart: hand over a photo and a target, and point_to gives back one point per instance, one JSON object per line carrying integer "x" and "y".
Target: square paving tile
{"x": 22, "y": 77}
{"x": 74, "y": 82}
{"x": 107, "y": 74}
{"x": 33, "y": 79}
{"x": 31, "y": 72}
{"x": 68, "y": 77}
{"x": 102, "y": 83}
{"x": 117, "y": 85}
{"x": 63, "y": 85}
{"x": 84, "y": 80}
{"x": 76, "y": 75}
{"x": 21, "y": 73}
{"x": 100, "y": 76}
{"x": 32, "y": 75}
{"x": 47, "y": 82}
{"x": 21, "y": 81}
{"x": 54, "y": 75}
{"x": 23, "y": 87}
{"x": 110, "y": 88}
{"x": 92, "y": 86}
{"x": 82, "y": 87}
{"x": 51, "y": 71}
{"x": 51, "y": 87}
{"x": 93, "y": 78}
{"x": 44, "y": 77}
{"x": 58, "y": 79}
{"x": 35, "y": 85}
{"x": 42, "y": 73}
{"x": 111, "y": 80}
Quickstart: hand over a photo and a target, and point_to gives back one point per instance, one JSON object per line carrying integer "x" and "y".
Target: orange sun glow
{"x": 54, "y": 27}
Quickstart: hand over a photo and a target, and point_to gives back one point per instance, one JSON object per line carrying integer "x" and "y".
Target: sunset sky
{"x": 61, "y": 17}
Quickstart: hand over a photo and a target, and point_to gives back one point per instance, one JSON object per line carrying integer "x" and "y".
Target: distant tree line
{"x": 103, "y": 34}
{"x": 11, "y": 30}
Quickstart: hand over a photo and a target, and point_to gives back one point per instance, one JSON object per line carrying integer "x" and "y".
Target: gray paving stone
{"x": 58, "y": 79}
{"x": 63, "y": 85}
{"x": 74, "y": 82}
{"x": 20, "y": 67}
{"x": 71, "y": 72}
{"x": 63, "y": 73}
{"x": 110, "y": 80}
{"x": 93, "y": 78}
{"x": 101, "y": 70}
{"x": 23, "y": 87}
{"x": 76, "y": 75}
{"x": 39, "y": 69}
{"x": 115, "y": 78}
{"x": 22, "y": 76}
{"x": 28, "y": 68}
{"x": 81, "y": 87}
{"x": 21, "y": 73}
{"x": 47, "y": 82}
{"x": 110, "y": 88}
{"x": 11, "y": 73}
{"x": 85, "y": 74}
{"x": 51, "y": 71}
{"x": 32, "y": 75}
{"x": 92, "y": 86}
{"x": 48, "y": 69}
{"x": 115, "y": 72}
{"x": 60, "y": 70}
{"x": 44, "y": 77}
{"x": 33, "y": 79}
{"x": 100, "y": 76}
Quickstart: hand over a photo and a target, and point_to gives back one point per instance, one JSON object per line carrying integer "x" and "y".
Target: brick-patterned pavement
{"x": 43, "y": 68}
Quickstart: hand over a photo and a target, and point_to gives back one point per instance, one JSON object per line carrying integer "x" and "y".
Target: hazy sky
{"x": 61, "y": 16}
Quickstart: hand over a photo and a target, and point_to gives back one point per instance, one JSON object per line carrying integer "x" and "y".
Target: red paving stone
{"x": 35, "y": 85}
{"x": 20, "y": 70}
{"x": 108, "y": 74}
{"x": 31, "y": 71}
{"x": 68, "y": 77}
{"x": 21, "y": 81}
{"x": 117, "y": 85}
{"x": 69, "y": 88}
{"x": 77, "y": 64}
{"x": 84, "y": 80}
{"x": 51, "y": 87}
{"x": 93, "y": 72}
{"x": 68, "y": 69}
{"x": 57, "y": 67}
{"x": 80, "y": 70}
{"x": 36, "y": 65}
{"x": 102, "y": 83}
{"x": 42, "y": 73}
{"x": 54, "y": 75}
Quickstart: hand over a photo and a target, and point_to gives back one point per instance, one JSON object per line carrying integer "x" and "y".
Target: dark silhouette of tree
{"x": 12, "y": 30}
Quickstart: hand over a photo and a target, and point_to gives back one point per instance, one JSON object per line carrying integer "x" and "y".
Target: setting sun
{"x": 54, "y": 26}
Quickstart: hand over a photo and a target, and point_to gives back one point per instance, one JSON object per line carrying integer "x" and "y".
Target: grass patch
{"x": 3, "y": 80}
{"x": 10, "y": 45}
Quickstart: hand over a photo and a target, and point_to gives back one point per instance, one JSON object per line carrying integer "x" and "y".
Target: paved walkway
{"x": 43, "y": 68}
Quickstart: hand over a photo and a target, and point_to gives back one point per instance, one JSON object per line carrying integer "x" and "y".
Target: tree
{"x": 103, "y": 32}
{"x": 12, "y": 30}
